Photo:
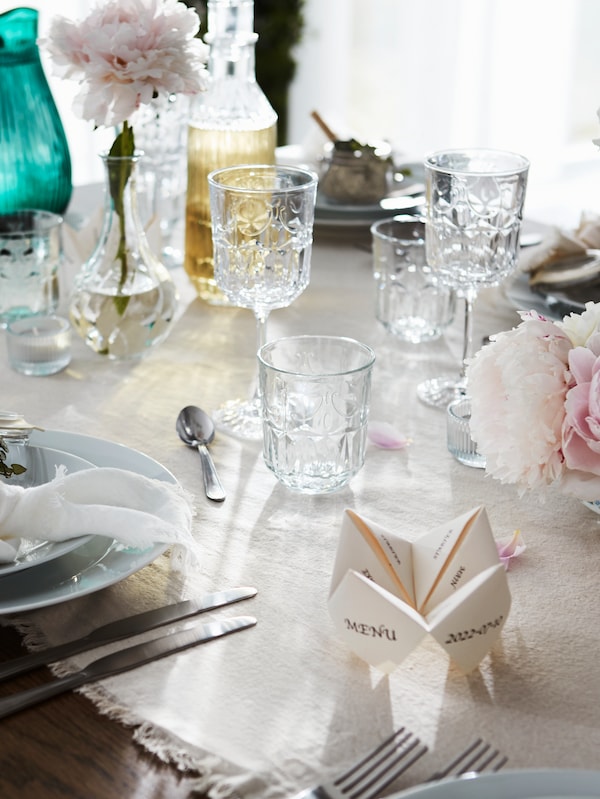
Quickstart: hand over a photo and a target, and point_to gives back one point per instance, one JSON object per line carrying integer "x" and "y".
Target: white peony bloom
{"x": 126, "y": 52}
{"x": 581, "y": 327}
{"x": 517, "y": 385}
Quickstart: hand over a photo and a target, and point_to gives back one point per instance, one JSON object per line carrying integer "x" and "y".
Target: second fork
{"x": 477, "y": 757}
{"x": 369, "y": 777}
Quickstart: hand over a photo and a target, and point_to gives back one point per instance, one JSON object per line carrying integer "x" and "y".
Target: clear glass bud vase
{"x": 124, "y": 299}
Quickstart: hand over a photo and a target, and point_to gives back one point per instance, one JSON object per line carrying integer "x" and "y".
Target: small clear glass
{"x": 30, "y": 257}
{"x": 315, "y": 393}
{"x": 410, "y": 302}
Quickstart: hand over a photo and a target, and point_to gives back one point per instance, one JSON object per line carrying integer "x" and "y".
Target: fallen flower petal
{"x": 511, "y": 549}
{"x": 385, "y": 436}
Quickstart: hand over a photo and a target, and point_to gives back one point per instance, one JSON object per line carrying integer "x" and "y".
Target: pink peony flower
{"x": 517, "y": 386}
{"x": 126, "y": 52}
{"x": 535, "y": 403}
{"x": 581, "y": 426}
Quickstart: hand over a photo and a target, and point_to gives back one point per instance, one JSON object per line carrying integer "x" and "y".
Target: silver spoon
{"x": 196, "y": 429}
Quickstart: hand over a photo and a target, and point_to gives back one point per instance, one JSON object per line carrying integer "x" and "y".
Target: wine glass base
{"x": 439, "y": 392}
{"x": 240, "y": 418}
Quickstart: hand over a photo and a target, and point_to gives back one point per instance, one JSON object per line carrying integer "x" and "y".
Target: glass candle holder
{"x": 39, "y": 345}
{"x": 460, "y": 443}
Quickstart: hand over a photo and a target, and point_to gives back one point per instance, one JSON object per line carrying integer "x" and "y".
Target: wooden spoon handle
{"x": 324, "y": 127}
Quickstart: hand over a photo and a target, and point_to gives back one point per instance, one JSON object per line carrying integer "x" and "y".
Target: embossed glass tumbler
{"x": 30, "y": 258}
{"x": 315, "y": 392}
{"x": 475, "y": 203}
{"x": 262, "y": 222}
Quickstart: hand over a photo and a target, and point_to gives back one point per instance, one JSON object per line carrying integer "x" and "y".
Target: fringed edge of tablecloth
{"x": 219, "y": 778}
{"x": 210, "y": 774}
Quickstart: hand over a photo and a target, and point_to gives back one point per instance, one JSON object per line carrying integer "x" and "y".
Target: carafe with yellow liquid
{"x": 231, "y": 123}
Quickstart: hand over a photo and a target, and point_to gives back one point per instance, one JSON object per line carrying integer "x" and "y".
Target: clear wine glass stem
{"x": 467, "y": 351}
{"x": 261, "y": 328}
{"x": 261, "y": 338}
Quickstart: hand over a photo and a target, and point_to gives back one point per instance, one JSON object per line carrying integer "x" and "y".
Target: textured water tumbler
{"x": 315, "y": 393}
{"x": 410, "y": 302}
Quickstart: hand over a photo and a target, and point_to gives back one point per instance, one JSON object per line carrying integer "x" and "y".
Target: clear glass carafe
{"x": 35, "y": 165}
{"x": 231, "y": 123}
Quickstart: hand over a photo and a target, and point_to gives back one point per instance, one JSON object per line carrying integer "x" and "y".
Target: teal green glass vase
{"x": 35, "y": 165}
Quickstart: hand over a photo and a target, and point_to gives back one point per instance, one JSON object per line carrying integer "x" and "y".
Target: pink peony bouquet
{"x": 127, "y": 52}
{"x": 535, "y": 403}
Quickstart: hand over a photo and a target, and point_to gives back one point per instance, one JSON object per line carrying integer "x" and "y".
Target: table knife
{"x": 123, "y": 628}
{"x": 125, "y": 660}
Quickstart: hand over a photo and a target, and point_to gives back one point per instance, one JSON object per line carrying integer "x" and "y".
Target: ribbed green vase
{"x": 35, "y": 165}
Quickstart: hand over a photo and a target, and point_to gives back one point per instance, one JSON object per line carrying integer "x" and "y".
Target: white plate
{"x": 100, "y": 562}
{"x": 42, "y": 469}
{"x": 392, "y": 203}
{"x": 526, "y": 784}
{"x": 335, "y": 215}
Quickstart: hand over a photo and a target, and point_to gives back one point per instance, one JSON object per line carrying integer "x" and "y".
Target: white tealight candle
{"x": 39, "y": 345}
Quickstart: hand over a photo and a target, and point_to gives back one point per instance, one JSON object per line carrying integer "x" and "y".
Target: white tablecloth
{"x": 273, "y": 709}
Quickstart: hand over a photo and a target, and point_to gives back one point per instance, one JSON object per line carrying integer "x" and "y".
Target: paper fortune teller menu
{"x": 388, "y": 593}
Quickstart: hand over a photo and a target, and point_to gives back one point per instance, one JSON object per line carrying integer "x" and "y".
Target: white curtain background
{"x": 515, "y": 74}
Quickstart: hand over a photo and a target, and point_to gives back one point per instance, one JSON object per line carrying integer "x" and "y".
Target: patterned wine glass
{"x": 262, "y": 222}
{"x": 475, "y": 203}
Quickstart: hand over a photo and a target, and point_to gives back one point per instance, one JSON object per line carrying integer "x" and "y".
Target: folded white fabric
{"x": 135, "y": 510}
{"x": 558, "y": 246}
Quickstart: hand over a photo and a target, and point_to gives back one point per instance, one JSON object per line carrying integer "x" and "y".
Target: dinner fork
{"x": 371, "y": 775}
{"x": 477, "y": 757}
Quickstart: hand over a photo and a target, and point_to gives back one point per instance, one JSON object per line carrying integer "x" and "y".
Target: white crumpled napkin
{"x": 558, "y": 245}
{"x": 135, "y": 510}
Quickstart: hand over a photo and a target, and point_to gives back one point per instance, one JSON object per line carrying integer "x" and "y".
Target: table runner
{"x": 273, "y": 709}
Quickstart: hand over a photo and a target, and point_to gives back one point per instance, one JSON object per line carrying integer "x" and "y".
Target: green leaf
{"x": 18, "y": 469}
{"x": 121, "y": 301}
{"x": 119, "y": 173}
{"x": 122, "y": 147}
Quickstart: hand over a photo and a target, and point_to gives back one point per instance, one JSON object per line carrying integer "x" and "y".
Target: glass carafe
{"x": 35, "y": 166}
{"x": 124, "y": 299}
{"x": 231, "y": 123}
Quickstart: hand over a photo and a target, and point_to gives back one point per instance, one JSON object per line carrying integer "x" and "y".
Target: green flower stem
{"x": 123, "y": 148}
